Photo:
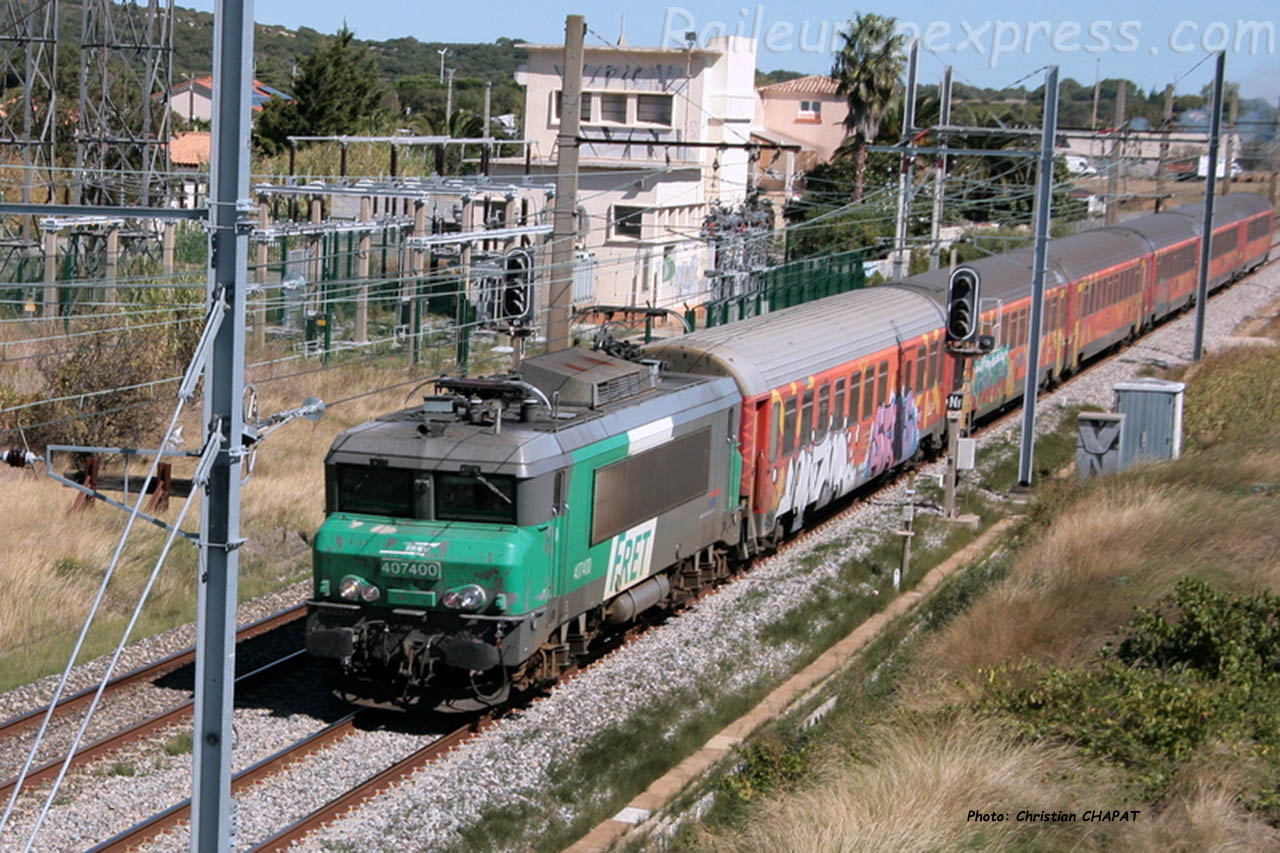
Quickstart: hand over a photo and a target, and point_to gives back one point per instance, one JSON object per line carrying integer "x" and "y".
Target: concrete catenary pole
{"x": 1162, "y": 171}
{"x": 448, "y": 104}
{"x": 50, "y": 307}
{"x": 1275, "y": 154}
{"x": 1206, "y": 242}
{"x": 1117, "y": 156}
{"x": 901, "y": 255}
{"x": 363, "y": 248}
{"x": 564, "y": 221}
{"x": 1231, "y": 137}
{"x": 1044, "y": 212}
{"x": 488, "y": 123}
{"x": 260, "y": 276}
{"x": 168, "y": 238}
{"x": 212, "y": 808}
{"x": 940, "y": 176}
{"x": 111, "y": 271}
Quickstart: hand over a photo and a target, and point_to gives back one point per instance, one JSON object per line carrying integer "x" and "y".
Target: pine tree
{"x": 337, "y": 91}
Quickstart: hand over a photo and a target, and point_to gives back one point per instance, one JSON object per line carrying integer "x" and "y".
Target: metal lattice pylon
{"x": 29, "y": 53}
{"x": 122, "y": 137}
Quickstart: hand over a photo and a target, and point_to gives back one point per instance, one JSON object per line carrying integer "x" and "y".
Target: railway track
{"x": 151, "y": 672}
{"x": 149, "y": 726}
{"x": 148, "y": 830}
{"x": 144, "y": 729}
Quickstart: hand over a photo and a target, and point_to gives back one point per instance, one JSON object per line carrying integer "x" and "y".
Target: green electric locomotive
{"x": 479, "y": 542}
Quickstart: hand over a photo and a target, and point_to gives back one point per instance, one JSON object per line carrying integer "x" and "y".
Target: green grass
{"x": 179, "y": 744}
{"x": 780, "y": 757}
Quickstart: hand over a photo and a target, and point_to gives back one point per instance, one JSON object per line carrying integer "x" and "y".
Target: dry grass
{"x": 52, "y": 561}
{"x": 915, "y": 791}
{"x": 1122, "y": 544}
{"x": 1092, "y": 553}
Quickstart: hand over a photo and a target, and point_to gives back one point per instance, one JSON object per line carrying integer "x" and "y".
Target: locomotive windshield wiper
{"x": 474, "y": 471}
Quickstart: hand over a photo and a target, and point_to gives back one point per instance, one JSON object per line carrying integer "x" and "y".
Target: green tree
{"x": 867, "y": 69}
{"x": 337, "y": 91}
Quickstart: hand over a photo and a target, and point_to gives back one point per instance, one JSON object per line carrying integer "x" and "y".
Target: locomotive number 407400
{"x": 409, "y": 569}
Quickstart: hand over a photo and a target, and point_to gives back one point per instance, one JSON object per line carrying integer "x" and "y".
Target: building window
{"x": 584, "y": 114}
{"x": 613, "y": 108}
{"x": 653, "y": 109}
{"x": 627, "y": 221}
{"x": 810, "y": 109}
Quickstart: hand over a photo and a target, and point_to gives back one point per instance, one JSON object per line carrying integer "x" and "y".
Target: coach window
{"x": 882, "y": 389}
{"x": 775, "y": 427}
{"x": 806, "y": 418}
{"x": 839, "y": 409}
{"x": 855, "y": 390}
{"x": 824, "y": 410}
{"x": 922, "y": 362}
{"x": 933, "y": 365}
{"x": 869, "y": 394}
{"x": 789, "y": 430}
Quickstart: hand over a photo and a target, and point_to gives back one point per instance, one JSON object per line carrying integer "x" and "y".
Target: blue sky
{"x": 990, "y": 43}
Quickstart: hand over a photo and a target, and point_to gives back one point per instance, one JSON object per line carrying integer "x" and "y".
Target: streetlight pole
{"x": 442, "y": 51}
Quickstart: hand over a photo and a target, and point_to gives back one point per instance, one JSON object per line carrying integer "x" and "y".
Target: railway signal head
{"x": 962, "y": 306}
{"x": 517, "y": 288}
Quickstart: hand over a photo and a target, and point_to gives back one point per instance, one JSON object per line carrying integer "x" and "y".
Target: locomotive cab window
{"x": 372, "y": 490}
{"x": 473, "y": 496}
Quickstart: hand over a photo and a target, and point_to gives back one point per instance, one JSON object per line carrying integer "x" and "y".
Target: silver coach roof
{"x": 765, "y": 352}
{"x": 1165, "y": 229}
{"x": 1227, "y": 208}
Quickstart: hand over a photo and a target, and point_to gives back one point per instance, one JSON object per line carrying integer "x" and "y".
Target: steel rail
{"x": 147, "y": 727}
{"x": 147, "y": 672}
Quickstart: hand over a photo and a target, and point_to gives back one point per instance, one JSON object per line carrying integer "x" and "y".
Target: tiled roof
{"x": 190, "y": 148}
{"x": 814, "y": 84}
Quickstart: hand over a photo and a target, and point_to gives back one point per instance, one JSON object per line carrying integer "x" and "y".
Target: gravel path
{"x": 715, "y": 642}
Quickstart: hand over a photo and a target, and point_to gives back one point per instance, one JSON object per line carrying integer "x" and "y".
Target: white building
{"x": 642, "y": 199}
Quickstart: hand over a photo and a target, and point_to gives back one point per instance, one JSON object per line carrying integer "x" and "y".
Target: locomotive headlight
{"x": 370, "y": 593}
{"x": 349, "y": 588}
{"x": 469, "y": 597}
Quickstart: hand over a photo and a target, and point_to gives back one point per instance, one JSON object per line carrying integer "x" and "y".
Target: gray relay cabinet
{"x": 1153, "y": 419}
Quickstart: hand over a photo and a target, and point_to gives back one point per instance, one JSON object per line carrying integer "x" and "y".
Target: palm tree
{"x": 867, "y": 69}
